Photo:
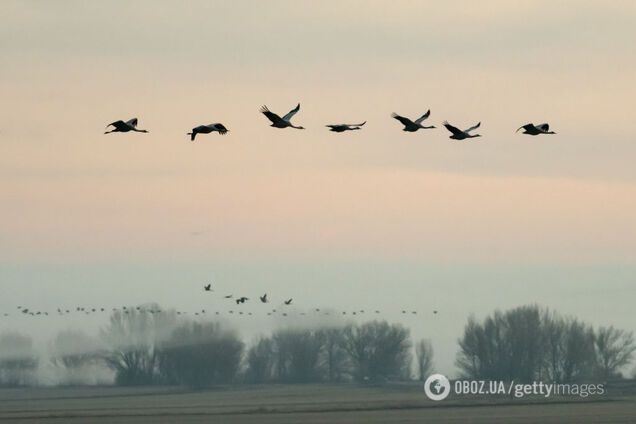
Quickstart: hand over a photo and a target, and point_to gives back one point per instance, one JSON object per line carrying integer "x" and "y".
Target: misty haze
{"x": 352, "y": 211}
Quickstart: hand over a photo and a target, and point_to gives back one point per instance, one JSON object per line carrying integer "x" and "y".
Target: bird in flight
{"x": 229, "y": 296}
{"x": 288, "y": 301}
{"x": 208, "y": 287}
{"x": 345, "y": 127}
{"x": 285, "y": 121}
{"x": 459, "y": 134}
{"x": 241, "y": 300}
{"x": 263, "y": 298}
{"x": 121, "y": 126}
{"x": 207, "y": 129}
{"x": 532, "y": 129}
{"x": 412, "y": 126}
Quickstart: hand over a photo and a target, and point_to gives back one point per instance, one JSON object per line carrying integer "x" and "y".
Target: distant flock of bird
{"x": 285, "y": 122}
{"x": 26, "y": 311}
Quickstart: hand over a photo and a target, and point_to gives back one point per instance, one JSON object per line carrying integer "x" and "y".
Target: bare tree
{"x": 378, "y": 351}
{"x": 200, "y": 355}
{"x": 424, "y": 356}
{"x": 298, "y": 353}
{"x": 614, "y": 349}
{"x": 525, "y": 333}
{"x": 260, "y": 361}
{"x": 526, "y": 344}
{"x": 471, "y": 356}
{"x": 335, "y": 359}
{"x": 18, "y": 360}
{"x": 76, "y": 353}
{"x": 569, "y": 349}
{"x": 131, "y": 336}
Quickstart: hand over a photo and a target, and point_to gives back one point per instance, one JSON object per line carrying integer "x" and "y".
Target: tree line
{"x": 529, "y": 343}
{"x": 524, "y": 344}
{"x": 148, "y": 349}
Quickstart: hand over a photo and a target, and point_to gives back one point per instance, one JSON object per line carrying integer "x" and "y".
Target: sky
{"x": 371, "y": 219}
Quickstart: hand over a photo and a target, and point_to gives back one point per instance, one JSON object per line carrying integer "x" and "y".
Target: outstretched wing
{"x": 526, "y": 127}
{"x": 543, "y": 127}
{"x": 403, "y": 120}
{"x": 270, "y": 115}
{"x": 291, "y": 113}
{"x": 454, "y": 130}
{"x": 117, "y": 124}
{"x": 358, "y": 125}
{"x": 221, "y": 128}
{"x": 132, "y": 122}
{"x": 474, "y": 127}
{"x": 423, "y": 117}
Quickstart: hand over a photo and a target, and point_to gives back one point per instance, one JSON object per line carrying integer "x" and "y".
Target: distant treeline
{"x": 523, "y": 344}
{"x": 528, "y": 344}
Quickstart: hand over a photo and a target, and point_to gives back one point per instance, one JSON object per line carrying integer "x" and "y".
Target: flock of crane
{"x": 285, "y": 122}
{"x": 264, "y": 299}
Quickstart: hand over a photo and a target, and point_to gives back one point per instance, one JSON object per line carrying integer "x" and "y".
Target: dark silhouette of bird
{"x": 288, "y": 301}
{"x": 459, "y": 134}
{"x": 242, "y": 299}
{"x": 345, "y": 127}
{"x": 207, "y": 129}
{"x": 208, "y": 287}
{"x": 532, "y": 129}
{"x": 435, "y": 311}
{"x": 285, "y": 121}
{"x": 263, "y": 298}
{"x": 412, "y": 126}
{"x": 121, "y": 126}
{"x": 228, "y": 296}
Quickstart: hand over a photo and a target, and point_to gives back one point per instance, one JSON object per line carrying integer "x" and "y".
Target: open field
{"x": 298, "y": 403}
